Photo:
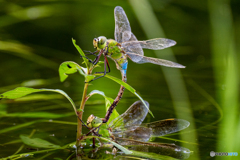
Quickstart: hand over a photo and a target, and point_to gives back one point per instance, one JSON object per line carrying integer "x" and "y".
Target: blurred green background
{"x": 35, "y": 38}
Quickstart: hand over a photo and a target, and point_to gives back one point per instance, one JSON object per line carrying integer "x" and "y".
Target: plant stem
{"x": 79, "y": 126}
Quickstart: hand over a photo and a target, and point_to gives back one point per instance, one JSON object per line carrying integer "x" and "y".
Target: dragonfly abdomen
{"x": 120, "y": 93}
{"x": 114, "y": 104}
{"x": 115, "y": 52}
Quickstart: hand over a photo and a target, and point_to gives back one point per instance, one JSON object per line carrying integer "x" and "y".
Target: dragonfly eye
{"x": 95, "y": 43}
{"x": 101, "y": 42}
{"x": 90, "y": 120}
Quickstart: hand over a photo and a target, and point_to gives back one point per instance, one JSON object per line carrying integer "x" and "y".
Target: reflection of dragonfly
{"x": 127, "y": 129}
{"x": 126, "y": 46}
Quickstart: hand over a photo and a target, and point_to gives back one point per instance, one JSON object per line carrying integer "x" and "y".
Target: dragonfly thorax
{"x": 100, "y": 42}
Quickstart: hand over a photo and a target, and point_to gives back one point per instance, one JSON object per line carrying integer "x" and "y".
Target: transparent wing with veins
{"x": 154, "y": 44}
{"x": 133, "y": 116}
{"x": 133, "y": 47}
{"x": 123, "y": 31}
{"x": 142, "y": 59}
{"x": 129, "y": 124}
{"x": 122, "y": 25}
{"x": 166, "y": 126}
{"x": 155, "y": 129}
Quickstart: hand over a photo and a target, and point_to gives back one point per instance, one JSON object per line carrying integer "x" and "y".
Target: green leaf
{"x": 144, "y": 103}
{"x": 23, "y": 91}
{"x": 99, "y": 62}
{"x": 119, "y": 81}
{"x": 70, "y": 67}
{"x": 37, "y": 142}
{"x": 39, "y": 97}
{"x": 104, "y": 130}
{"x": 98, "y": 65}
{"x": 108, "y": 102}
{"x": 96, "y": 92}
{"x": 125, "y": 150}
{"x": 81, "y": 53}
{"x": 114, "y": 114}
{"x": 37, "y": 115}
{"x": 18, "y": 92}
{"x": 88, "y": 78}
{"x": 131, "y": 89}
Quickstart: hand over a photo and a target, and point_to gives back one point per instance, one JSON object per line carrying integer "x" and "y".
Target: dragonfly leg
{"x": 95, "y": 61}
{"x": 105, "y": 70}
{"x": 97, "y": 133}
{"x": 91, "y": 61}
{"x": 82, "y": 121}
{"x": 91, "y": 53}
{"x": 91, "y": 130}
{"x": 101, "y": 143}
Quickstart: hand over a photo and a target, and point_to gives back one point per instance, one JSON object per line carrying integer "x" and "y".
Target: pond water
{"x": 36, "y": 39}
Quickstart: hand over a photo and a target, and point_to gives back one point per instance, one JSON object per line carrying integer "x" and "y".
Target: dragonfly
{"x": 127, "y": 46}
{"x": 128, "y": 129}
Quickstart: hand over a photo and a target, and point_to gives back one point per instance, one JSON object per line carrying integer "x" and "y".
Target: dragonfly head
{"x": 93, "y": 121}
{"x": 100, "y": 42}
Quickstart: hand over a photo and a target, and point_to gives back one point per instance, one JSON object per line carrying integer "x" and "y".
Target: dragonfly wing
{"x": 122, "y": 25}
{"x": 133, "y": 116}
{"x": 142, "y": 59}
{"x": 155, "y": 44}
{"x": 133, "y": 47}
{"x": 154, "y": 129}
{"x": 123, "y": 31}
{"x": 135, "y": 132}
{"x": 160, "y": 148}
{"x": 167, "y": 126}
